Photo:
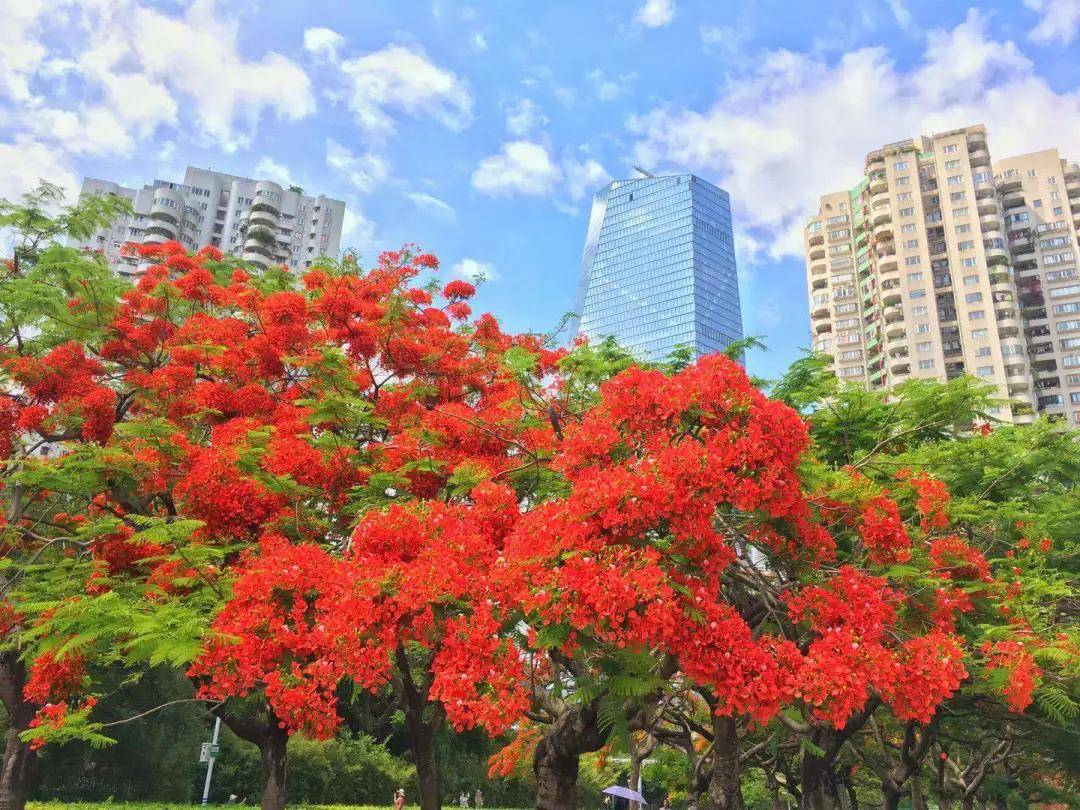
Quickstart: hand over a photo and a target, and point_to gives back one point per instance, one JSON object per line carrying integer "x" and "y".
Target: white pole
{"x": 210, "y": 762}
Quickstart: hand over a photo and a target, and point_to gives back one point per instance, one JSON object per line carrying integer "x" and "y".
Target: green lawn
{"x": 169, "y": 806}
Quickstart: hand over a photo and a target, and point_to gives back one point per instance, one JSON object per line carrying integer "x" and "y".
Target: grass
{"x": 173, "y": 806}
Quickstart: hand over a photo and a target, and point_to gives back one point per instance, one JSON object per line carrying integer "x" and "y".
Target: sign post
{"x": 208, "y": 752}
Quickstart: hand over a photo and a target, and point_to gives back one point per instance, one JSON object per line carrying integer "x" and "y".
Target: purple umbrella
{"x": 626, "y": 793}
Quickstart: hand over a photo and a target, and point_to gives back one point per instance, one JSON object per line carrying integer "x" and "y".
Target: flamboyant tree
{"x": 40, "y": 320}
{"x": 308, "y": 485}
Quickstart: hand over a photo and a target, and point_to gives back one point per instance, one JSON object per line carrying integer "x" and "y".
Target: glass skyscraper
{"x": 658, "y": 270}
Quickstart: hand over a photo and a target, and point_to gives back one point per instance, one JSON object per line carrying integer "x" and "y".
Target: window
{"x": 1058, "y": 258}
{"x": 969, "y": 280}
{"x": 836, "y": 250}
{"x": 1012, "y": 219}
{"x": 965, "y": 228}
{"x": 982, "y": 177}
{"x": 973, "y": 298}
{"x": 924, "y": 346}
{"x": 1058, "y": 210}
{"x": 985, "y": 371}
{"x": 1061, "y": 275}
{"x": 911, "y": 261}
{"x": 1071, "y": 343}
{"x": 979, "y": 334}
{"x": 905, "y": 197}
{"x": 918, "y": 293}
{"x": 907, "y": 212}
{"x": 1055, "y": 195}
{"x": 920, "y": 312}
{"x": 928, "y": 363}
{"x": 967, "y": 244}
{"x": 840, "y": 234}
{"x": 1072, "y": 361}
{"x": 900, "y": 166}
{"x": 911, "y": 244}
{"x": 952, "y": 164}
{"x": 949, "y": 148}
{"x": 908, "y": 228}
{"x": 1061, "y": 309}
{"x": 903, "y": 181}
{"x": 1051, "y": 181}
{"x": 971, "y": 261}
{"x": 1068, "y": 326}
{"x": 835, "y": 220}
{"x": 1062, "y": 292}
{"x": 1032, "y": 173}
{"x": 1012, "y": 351}
{"x": 853, "y": 354}
{"x": 914, "y": 277}
{"x": 847, "y": 323}
{"x": 1055, "y": 241}
{"x": 956, "y": 196}
{"x": 955, "y": 180}
{"x": 922, "y": 328}
{"x": 845, "y": 338}
{"x": 844, "y": 309}
{"x": 1036, "y": 203}
{"x": 982, "y": 351}
{"x": 976, "y": 315}
{"x": 960, "y": 212}
{"x": 851, "y": 371}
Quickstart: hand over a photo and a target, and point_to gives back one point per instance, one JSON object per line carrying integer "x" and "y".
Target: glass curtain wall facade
{"x": 658, "y": 269}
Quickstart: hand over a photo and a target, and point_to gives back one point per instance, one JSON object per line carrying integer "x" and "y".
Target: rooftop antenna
{"x": 642, "y": 171}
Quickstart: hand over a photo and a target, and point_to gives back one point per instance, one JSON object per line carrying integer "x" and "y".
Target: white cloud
{"x": 1060, "y": 21}
{"x": 197, "y": 56}
{"x": 528, "y": 168}
{"x": 521, "y": 167}
{"x": 583, "y": 178}
{"x": 524, "y": 116}
{"x": 610, "y": 87}
{"x": 270, "y": 169}
{"x": 431, "y": 203}
{"x": 364, "y": 172}
{"x": 403, "y": 78}
{"x": 479, "y": 42}
{"x": 357, "y": 231}
{"x": 474, "y": 272}
{"x": 323, "y": 43}
{"x": 655, "y": 13}
{"x": 900, "y": 12}
{"x": 25, "y": 161}
{"x": 21, "y": 53}
{"x": 772, "y": 139}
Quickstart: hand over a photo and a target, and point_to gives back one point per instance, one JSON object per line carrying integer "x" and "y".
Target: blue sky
{"x": 479, "y": 130}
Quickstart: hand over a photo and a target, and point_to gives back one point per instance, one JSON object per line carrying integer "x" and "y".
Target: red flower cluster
{"x": 1024, "y": 674}
{"x": 933, "y": 499}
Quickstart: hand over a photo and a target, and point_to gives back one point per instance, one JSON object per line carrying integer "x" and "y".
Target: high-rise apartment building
{"x": 940, "y": 263}
{"x": 257, "y": 220}
{"x": 658, "y": 269}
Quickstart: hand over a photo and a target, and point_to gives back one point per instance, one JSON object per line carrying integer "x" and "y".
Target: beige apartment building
{"x": 940, "y": 262}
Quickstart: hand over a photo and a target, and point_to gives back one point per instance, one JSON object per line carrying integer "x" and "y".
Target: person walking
{"x": 478, "y": 799}
{"x": 399, "y": 799}
{"x": 463, "y": 799}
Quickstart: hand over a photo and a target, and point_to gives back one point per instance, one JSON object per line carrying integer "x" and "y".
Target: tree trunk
{"x": 724, "y": 791}
{"x": 272, "y": 741}
{"x": 918, "y": 801}
{"x": 967, "y": 802}
{"x": 427, "y": 766}
{"x": 273, "y": 755}
{"x": 424, "y": 720}
{"x": 891, "y": 799}
{"x": 557, "y": 757}
{"x": 818, "y": 783}
{"x": 18, "y": 758}
{"x": 635, "y": 778}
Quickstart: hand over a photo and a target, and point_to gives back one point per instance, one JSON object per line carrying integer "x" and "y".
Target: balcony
{"x": 997, "y": 255}
{"x": 990, "y": 221}
{"x": 817, "y": 253}
{"x": 161, "y": 228}
{"x": 1072, "y": 187}
{"x": 817, "y": 240}
{"x": 822, "y": 327}
{"x": 256, "y": 256}
{"x": 893, "y": 313}
{"x": 1012, "y": 200}
{"x": 883, "y": 231}
{"x": 900, "y": 369}
{"x": 976, "y": 140}
{"x": 819, "y": 283}
{"x": 891, "y": 298}
{"x": 979, "y": 157}
{"x": 1012, "y": 183}
{"x": 818, "y": 269}
{"x": 987, "y": 205}
{"x": 263, "y": 218}
{"x": 877, "y": 183}
{"x": 881, "y": 216}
